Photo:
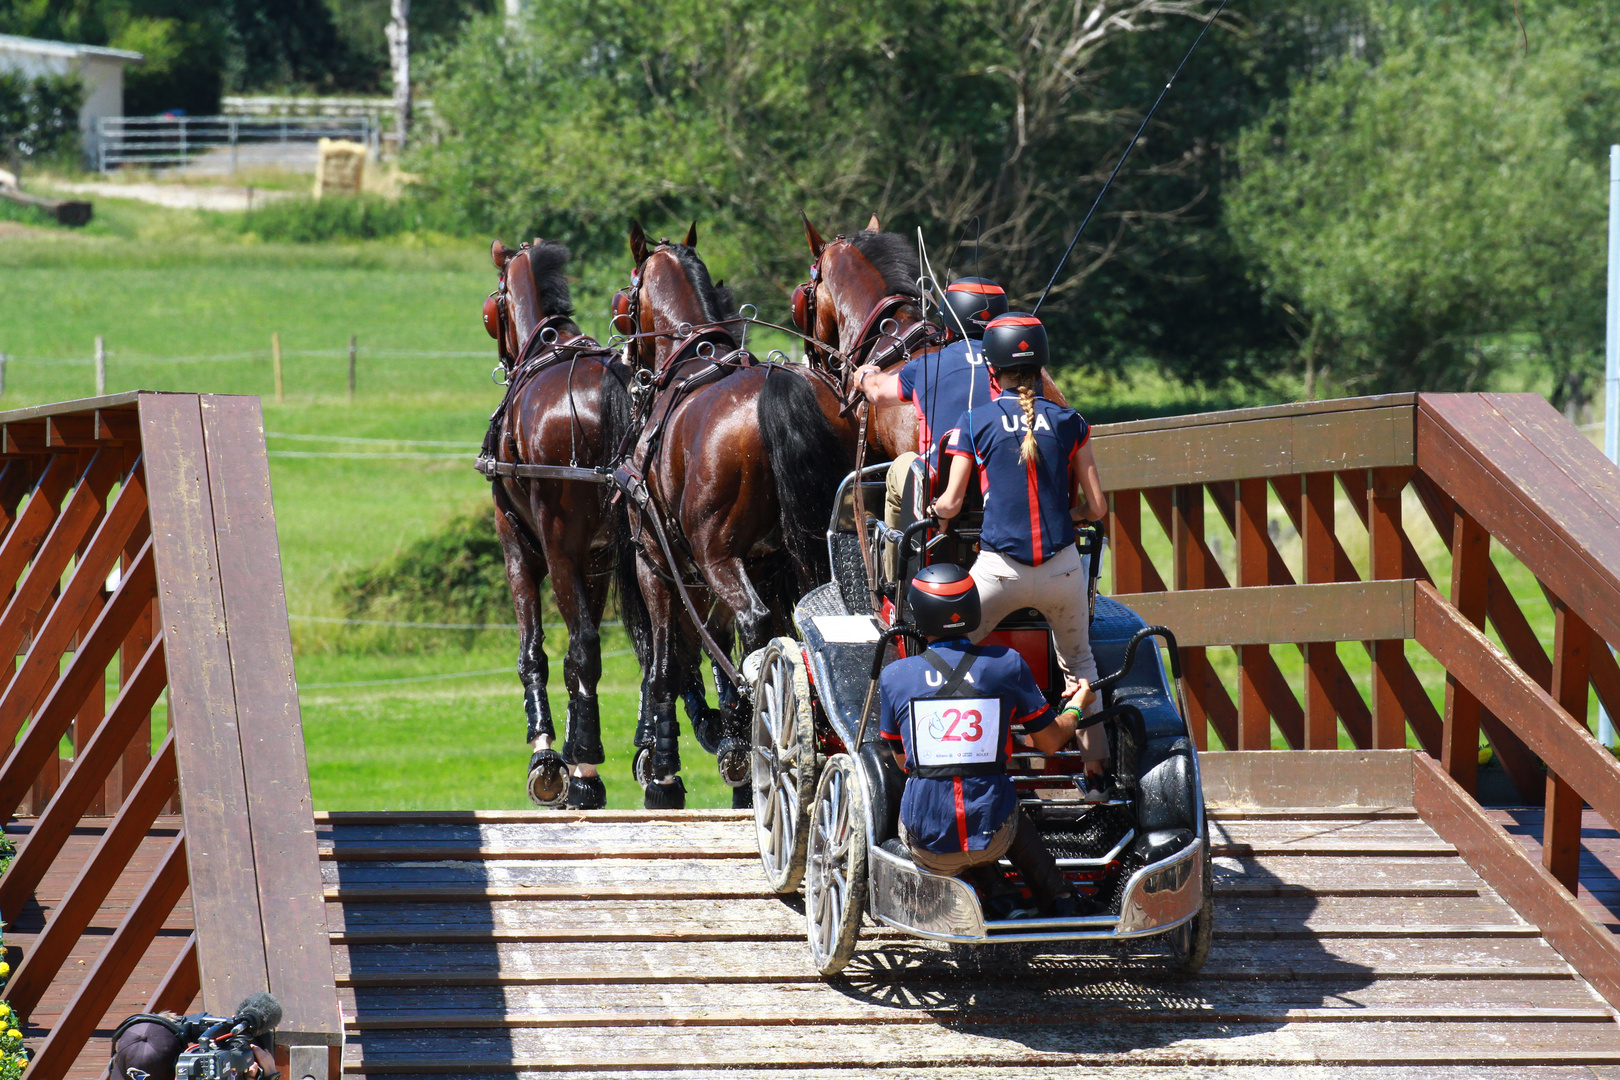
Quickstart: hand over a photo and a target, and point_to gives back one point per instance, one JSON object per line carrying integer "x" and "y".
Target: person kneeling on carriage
{"x": 1035, "y": 467}
{"x": 948, "y": 716}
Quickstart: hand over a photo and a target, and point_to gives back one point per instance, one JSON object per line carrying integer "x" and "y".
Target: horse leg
{"x": 752, "y": 623}
{"x": 525, "y": 571}
{"x": 582, "y": 670}
{"x": 664, "y": 790}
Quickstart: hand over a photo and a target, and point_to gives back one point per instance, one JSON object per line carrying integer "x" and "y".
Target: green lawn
{"x": 434, "y": 719}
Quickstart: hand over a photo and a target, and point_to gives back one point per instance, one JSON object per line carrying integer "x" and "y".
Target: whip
{"x": 1098, "y": 200}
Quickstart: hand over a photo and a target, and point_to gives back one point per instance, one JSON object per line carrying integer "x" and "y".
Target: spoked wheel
{"x": 835, "y": 879}
{"x": 1189, "y": 942}
{"x": 783, "y": 763}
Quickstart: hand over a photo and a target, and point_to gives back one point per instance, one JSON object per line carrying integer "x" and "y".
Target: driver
{"x": 938, "y": 383}
{"x": 948, "y": 716}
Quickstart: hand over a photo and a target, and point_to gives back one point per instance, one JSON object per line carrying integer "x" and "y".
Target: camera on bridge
{"x": 150, "y": 1046}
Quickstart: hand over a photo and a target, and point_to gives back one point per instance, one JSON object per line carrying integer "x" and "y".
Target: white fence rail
{"x": 171, "y": 141}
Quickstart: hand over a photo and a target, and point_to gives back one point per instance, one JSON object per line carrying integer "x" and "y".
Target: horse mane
{"x": 546, "y": 261}
{"x": 892, "y": 256}
{"x": 716, "y": 300}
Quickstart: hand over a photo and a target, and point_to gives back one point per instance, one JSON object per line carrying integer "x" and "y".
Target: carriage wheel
{"x": 1189, "y": 942}
{"x": 783, "y": 762}
{"x": 835, "y": 879}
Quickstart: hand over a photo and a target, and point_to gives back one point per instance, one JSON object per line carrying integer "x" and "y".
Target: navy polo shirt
{"x": 959, "y": 813}
{"x": 1026, "y": 506}
{"x": 939, "y": 384}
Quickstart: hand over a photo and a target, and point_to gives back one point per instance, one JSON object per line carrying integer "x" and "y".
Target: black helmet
{"x": 943, "y": 601}
{"x": 976, "y": 301}
{"x": 1015, "y": 340}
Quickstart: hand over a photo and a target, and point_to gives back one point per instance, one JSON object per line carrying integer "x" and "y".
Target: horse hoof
{"x": 670, "y": 796}
{"x": 641, "y": 766}
{"x": 734, "y": 761}
{"x": 742, "y": 798}
{"x": 586, "y": 793}
{"x": 548, "y": 778}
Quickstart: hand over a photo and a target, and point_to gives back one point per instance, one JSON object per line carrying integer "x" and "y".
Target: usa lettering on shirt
{"x": 1016, "y": 425}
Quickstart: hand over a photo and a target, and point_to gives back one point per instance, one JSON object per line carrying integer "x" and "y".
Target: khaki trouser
{"x": 954, "y": 863}
{"x": 1058, "y": 590}
{"x": 894, "y": 493}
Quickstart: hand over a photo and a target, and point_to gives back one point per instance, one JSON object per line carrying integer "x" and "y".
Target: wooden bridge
{"x": 1370, "y": 912}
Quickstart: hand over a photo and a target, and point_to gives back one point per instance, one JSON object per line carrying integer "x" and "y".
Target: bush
{"x": 38, "y": 116}
{"x": 354, "y": 217}
{"x": 454, "y": 575}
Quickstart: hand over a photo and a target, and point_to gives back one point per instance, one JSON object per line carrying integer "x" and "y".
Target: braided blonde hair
{"x": 1025, "y": 382}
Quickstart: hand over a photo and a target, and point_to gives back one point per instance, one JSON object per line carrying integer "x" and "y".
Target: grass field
{"x": 411, "y": 718}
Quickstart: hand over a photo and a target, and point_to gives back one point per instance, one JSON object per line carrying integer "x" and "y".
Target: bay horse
{"x": 567, "y": 407}
{"x": 855, "y": 283}
{"x": 733, "y": 482}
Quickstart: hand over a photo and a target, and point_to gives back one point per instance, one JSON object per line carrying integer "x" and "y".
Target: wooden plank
{"x": 1283, "y": 614}
{"x": 1385, "y": 536}
{"x": 180, "y": 983}
{"x": 134, "y": 649}
{"x": 1362, "y": 778}
{"x": 1561, "y": 840}
{"x": 1238, "y": 449}
{"x": 266, "y": 690}
{"x": 202, "y": 702}
{"x": 717, "y": 836}
{"x": 94, "y": 761}
{"x": 1565, "y": 745}
{"x": 1470, "y": 556}
{"x": 1521, "y": 881}
{"x": 28, "y": 531}
{"x": 109, "y": 974}
{"x": 1125, "y": 540}
{"x": 85, "y": 675}
{"x": 94, "y": 881}
{"x": 1521, "y": 492}
{"x": 1315, "y": 524}
{"x": 547, "y": 817}
{"x": 1224, "y": 417}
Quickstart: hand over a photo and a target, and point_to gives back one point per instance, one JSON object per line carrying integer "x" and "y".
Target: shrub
{"x": 38, "y": 116}
{"x": 354, "y": 217}
{"x": 456, "y": 574}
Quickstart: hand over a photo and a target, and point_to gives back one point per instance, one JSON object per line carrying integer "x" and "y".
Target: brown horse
{"x": 567, "y": 405}
{"x": 858, "y": 282}
{"x": 733, "y": 482}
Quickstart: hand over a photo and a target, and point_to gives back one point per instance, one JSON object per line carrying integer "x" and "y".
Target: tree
{"x": 1433, "y": 210}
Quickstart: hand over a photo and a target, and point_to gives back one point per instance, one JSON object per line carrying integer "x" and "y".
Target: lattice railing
{"x": 138, "y": 547}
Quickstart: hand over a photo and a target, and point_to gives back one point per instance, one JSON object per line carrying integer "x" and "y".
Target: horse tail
{"x": 807, "y": 462}
{"x": 616, "y": 421}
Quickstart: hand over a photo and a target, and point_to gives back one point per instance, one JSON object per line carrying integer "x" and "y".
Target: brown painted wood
{"x": 1470, "y": 556}
{"x": 117, "y": 425}
{"x": 109, "y": 974}
{"x": 85, "y": 675}
{"x": 129, "y": 656}
{"x": 1565, "y": 745}
{"x": 39, "y": 669}
{"x": 1283, "y": 614}
{"x": 1561, "y": 839}
{"x": 1521, "y": 880}
{"x": 1386, "y": 558}
{"x": 95, "y": 760}
{"x": 1125, "y": 540}
{"x": 1314, "y": 520}
{"x": 181, "y": 983}
{"x": 202, "y": 702}
{"x": 1255, "y": 686}
{"x": 93, "y": 882}
{"x": 266, "y": 690}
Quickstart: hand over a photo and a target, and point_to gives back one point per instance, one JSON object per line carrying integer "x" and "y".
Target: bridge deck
{"x": 538, "y": 944}
{"x": 1600, "y": 857}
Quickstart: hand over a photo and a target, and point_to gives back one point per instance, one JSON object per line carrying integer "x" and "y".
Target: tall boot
{"x": 584, "y": 743}
{"x": 1041, "y": 874}
{"x": 666, "y": 755}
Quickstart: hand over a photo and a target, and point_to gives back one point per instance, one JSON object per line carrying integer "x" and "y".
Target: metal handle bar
{"x": 1130, "y": 656}
{"x": 899, "y": 631}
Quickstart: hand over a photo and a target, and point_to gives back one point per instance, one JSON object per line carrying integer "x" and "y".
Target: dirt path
{"x": 178, "y": 196}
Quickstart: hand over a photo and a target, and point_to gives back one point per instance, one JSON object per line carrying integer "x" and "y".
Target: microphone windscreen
{"x": 261, "y": 1012}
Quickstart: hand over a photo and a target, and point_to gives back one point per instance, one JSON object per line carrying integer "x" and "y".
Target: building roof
{"x": 69, "y": 49}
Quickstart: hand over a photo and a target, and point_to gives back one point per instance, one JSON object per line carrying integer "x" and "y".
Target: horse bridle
{"x": 626, "y": 322}
{"x": 895, "y": 346}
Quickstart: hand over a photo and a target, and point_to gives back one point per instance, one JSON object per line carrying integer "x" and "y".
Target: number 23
{"x": 974, "y": 730}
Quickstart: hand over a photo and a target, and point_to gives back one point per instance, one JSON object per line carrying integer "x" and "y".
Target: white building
{"x": 100, "y": 69}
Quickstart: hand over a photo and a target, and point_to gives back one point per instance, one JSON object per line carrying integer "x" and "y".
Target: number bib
{"x": 950, "y": 733}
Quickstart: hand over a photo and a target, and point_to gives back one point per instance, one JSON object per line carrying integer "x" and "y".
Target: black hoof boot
{"x": 666, "y": 750}
{"x": 671, "y": 796}
{"x": 548, "y": 778}
{"x": 742, "y": 798}
{"x": 583, "y": 746}
{"x": 538, "y": 708}
{"x": 586, "y": 793}
{"x": 709, "y": 727}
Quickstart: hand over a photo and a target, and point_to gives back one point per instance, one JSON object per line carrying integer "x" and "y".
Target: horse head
{"x": 671, "y": 297}
{"x": 857, "y": 285}
{"x": 533, "y": 288}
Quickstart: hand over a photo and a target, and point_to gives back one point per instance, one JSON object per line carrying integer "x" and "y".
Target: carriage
{"x": 827, "y": 793}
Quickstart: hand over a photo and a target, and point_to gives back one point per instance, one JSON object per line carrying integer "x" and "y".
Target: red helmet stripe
{"x": 944, "y": 588}
{"x": 984, "y": 288}
{"x": 1015, "y": 320}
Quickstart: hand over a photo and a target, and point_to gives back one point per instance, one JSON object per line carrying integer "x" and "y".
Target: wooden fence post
{"x": 1125, "y": 536}
{"x": 353, "y": 342}
{"x": 1470, "y": 587}
{"x": 1384, "y": 536}
{"x": 1319, "y": 546}
{"x": 1561, "y": 828}
{"x": 275, "y": 359}
{"x": 101, "y": 366}
{"x": 1254, "y": 719}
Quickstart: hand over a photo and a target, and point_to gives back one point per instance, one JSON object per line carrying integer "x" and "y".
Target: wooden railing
{"x": 138, "y": 546}
{"x": 1484, "y": 468}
